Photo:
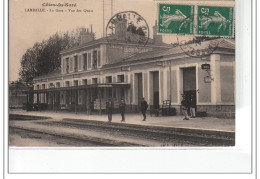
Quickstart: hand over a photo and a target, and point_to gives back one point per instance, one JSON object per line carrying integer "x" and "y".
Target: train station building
{"x": 99, "y": 69}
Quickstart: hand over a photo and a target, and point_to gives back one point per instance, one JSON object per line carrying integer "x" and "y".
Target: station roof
{"x": 81, "y": 87}
{"x": 223, "y": 43}
{"x": 106, "y": 40}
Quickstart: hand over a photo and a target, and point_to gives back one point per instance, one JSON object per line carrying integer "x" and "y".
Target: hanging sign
{"x": 205, "y": 66}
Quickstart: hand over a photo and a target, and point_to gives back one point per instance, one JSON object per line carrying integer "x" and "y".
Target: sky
{"x": 27, "y": 28}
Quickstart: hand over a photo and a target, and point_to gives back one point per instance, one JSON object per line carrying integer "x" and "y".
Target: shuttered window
{"x": 85, "y": 63}
{"x": 89, "y": 60}
{"x": 67, "y": 65}
{"x": 94, "y": 59}
{"x": 71, "y": 64}
{"x": 76, "y": 63}
{"x": 98, "y": 59}
{"x": 80, "y": 58}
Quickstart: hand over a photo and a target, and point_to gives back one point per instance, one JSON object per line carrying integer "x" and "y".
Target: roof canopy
{"x": 81, "y": 87}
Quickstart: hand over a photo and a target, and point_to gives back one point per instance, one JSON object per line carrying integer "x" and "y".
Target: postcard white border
{"x": 139, "y": 161}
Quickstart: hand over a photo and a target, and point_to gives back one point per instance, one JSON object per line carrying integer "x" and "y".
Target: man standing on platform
{"x": 122, "y": 109}
{"x": 184, "y": 107}
{"x": 144, "y": 107}
{"x": 110, "y": 107}
{"x": 193, "y": 106}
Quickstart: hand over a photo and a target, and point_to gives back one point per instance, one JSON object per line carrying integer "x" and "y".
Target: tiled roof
{"x": 223, "y": 43}
{"x": 227, "y": 43}
{"x": 56, "y": 73}
{"x": 113, "y": 41}
{"x": 137, "y": 56}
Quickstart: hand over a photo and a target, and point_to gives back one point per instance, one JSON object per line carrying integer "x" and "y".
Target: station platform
{"x": 201, "y": 123}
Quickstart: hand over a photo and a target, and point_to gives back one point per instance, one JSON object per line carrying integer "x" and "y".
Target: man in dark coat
{"x": 144, "y": 107}
{"x": 184, "y": 107}
{"x": 192, "y": 106}
{"x": 122, "y": 109}
{"x": 110, "y": 107}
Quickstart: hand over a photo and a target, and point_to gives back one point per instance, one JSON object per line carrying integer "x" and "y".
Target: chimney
{"x": 86, "y": 36}
{"x": 121, "y": 28}
{"x": 157, "y": 39}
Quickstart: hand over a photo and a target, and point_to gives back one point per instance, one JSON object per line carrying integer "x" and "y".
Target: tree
{"x": 132, "y": 28}
{"x": 140, "y": 31}
{"x": 44, "y": 57}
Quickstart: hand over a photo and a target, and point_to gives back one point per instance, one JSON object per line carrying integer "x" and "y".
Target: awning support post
{"x": 76, "y": 101}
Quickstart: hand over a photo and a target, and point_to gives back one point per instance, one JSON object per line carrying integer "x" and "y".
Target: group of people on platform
{"x": 188, "y": 106}
{"x": 122, "y": 105}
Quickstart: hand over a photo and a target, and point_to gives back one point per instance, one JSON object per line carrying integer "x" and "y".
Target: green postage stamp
{"x": 214, "y": 20}
{"x": 208, "y": 20}
{"x": 176, "y": 19}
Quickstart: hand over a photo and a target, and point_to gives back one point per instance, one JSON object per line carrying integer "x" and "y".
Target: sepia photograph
{"x": 106, "y": 75}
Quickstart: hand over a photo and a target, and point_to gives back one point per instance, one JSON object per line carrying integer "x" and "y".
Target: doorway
{"x": 189, "y": 84}
{"x": 156, "y": 93}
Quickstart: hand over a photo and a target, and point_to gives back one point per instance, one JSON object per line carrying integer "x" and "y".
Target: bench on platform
{"x": 165, "y": 110}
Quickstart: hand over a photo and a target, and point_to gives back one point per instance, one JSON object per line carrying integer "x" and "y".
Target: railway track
{"x": 26, "y": 117}
{"x": 167, "y": 136}
{"x": 65, "y": 139}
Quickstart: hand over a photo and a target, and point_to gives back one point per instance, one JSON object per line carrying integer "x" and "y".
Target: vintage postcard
{"x": 119, "y": 73}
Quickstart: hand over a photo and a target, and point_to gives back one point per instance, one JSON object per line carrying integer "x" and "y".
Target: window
{"x": 98, "y": 59}
{"x": 67, "y": 83}
{"x": 94, "y": 81}
{"x": 51, "y": 85}
{"x": 75, "y": 63}
{"x": 43, "y": 86}
{"x": 85, "y": 81}
{"x": 89, "y": 60}
{"x": 75, "y": 83}
{"x": 120, "y": 78}
{"x": 94, "y": 59}
{"x": 79, "y": 62}
{"x": 67, "y": 65}
{"x": 71, "y": 64}
{"x": 58, "y": 84}
{"x": 109, "y": 79}
{"x": 38, "y": 87}
{"x": 63, "y": 65}
{"x": 85, "y": 59}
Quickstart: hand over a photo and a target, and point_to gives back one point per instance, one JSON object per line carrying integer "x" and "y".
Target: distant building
{"x": 17, "y": 94}
{"x": 100, "y": 69}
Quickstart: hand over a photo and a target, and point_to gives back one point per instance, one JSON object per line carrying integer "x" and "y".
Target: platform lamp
{"x": 205, "y": 66}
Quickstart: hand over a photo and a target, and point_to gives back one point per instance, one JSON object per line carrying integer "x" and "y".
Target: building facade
{"x": 97, "y": 70}
{"x": 17, "y": 95}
